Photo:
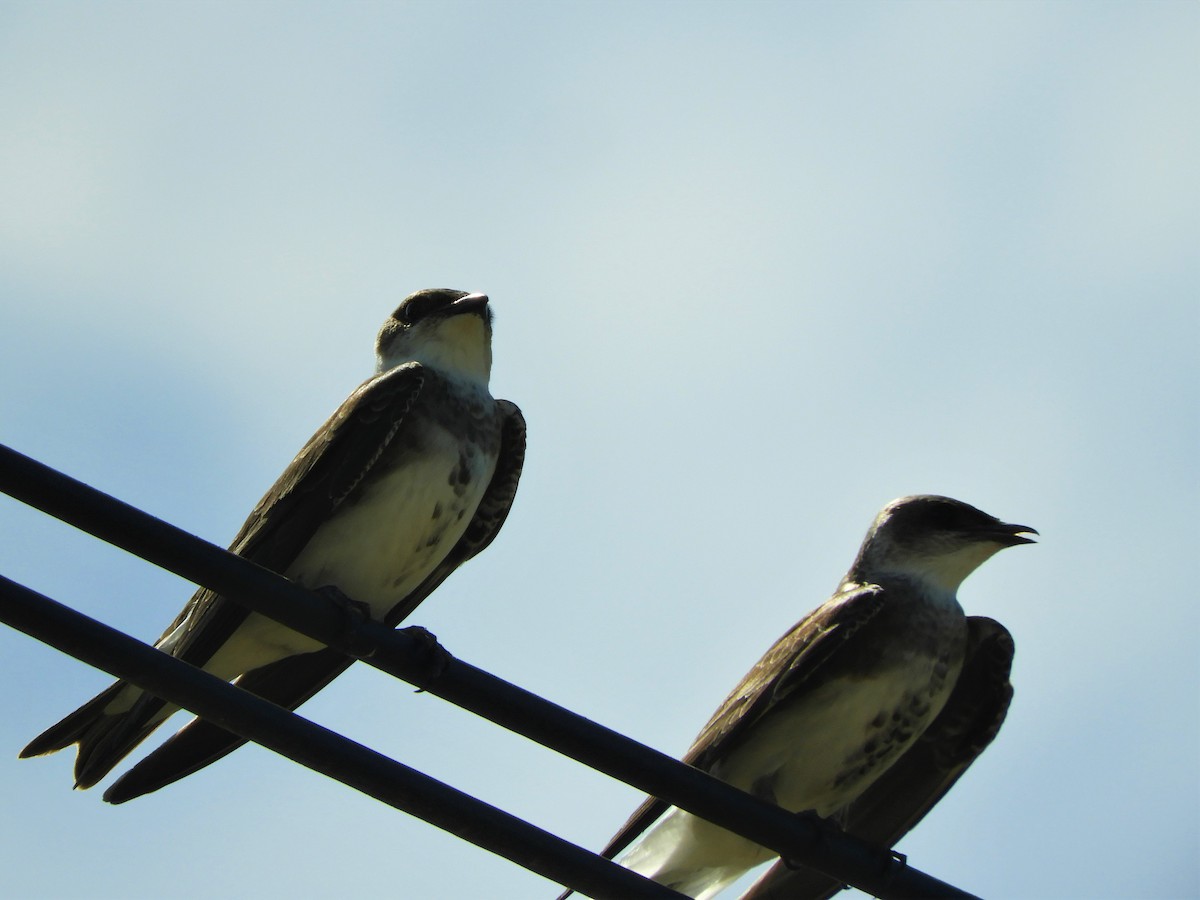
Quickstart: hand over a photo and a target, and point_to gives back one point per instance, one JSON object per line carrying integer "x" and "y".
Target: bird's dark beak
{"x": 472, "y": 303}
{"x": 1012, "y": 535}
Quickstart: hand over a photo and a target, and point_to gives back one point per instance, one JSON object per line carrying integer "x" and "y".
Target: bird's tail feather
{"x": 104, "y": 739}
{"x": 692, "y": 856}
{"x": 287, "y": 683}
{"x": 73, "y": 728}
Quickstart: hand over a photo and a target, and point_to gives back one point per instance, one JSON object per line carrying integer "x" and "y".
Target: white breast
{"x": 794, "y": 758}
{"x": 381, "y": 547}
{"x": 801, "y": 752}
{"x": 375, "y": 550}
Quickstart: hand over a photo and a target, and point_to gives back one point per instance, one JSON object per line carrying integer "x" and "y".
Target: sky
{"x": 757, "y": 269}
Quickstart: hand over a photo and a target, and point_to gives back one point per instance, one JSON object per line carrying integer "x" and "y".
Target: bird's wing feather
{"x": 910, "y": 788}
{"x": 796, "y": 658}
{"x": 292, "y": 681}
{"x": 315, "y": 483}
{"x": 320, "y": 477}
{"x": 792, "y": 663}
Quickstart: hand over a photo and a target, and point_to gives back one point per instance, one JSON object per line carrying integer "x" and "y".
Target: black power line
{"x": 406, "y": 654}
{"x": 316, "y": 747}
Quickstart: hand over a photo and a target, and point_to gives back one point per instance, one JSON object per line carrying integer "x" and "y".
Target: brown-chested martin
{"x": 839, "y": 699}
{"x": 412, "y": 475}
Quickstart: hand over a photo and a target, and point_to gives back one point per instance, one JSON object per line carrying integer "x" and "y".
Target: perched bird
{"x": 839, "y": 699}
{"x": 894, "y": 804}
{"x": 412, "y": 475}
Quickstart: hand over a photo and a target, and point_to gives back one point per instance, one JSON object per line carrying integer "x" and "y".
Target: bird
{"x": 901, "y": 797}
{"x": 838, "y": 699}
{"x": 412, "y": 475}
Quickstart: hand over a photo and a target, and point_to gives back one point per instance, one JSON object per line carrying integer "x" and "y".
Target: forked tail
{"x": 104, "y": 739}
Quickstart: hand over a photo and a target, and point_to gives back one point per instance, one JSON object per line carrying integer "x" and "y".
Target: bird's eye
{"x": 415, "y": 308}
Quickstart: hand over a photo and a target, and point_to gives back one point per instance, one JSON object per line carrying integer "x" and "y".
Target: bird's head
{"x": 934, "y": 540}
{"x": 450, "y": 331}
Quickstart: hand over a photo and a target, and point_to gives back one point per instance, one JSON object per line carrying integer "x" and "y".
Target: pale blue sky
{"x": 756, "y": 268}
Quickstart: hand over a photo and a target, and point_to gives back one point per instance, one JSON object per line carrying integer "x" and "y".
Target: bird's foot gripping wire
{"x": 355, "y": 612}
{"x": 824, "y": 828}
{"x": 817, "y": 823}
{"x": 430, "y": 655}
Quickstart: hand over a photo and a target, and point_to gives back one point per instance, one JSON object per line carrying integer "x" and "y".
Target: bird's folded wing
{"x": 910, "y": 788}
{"x": 795, "y": 658}
{"x": 318, "y": 479}
{"x": 290, "y": 682}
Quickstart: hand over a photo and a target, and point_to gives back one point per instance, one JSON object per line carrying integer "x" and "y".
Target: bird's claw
{"x": 429, "y": 654}
{"x": 355, "y": 612}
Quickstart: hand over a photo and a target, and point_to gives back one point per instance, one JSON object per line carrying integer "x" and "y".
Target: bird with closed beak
{"x": 410, "y": 477}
